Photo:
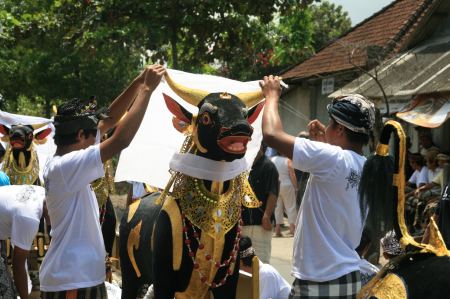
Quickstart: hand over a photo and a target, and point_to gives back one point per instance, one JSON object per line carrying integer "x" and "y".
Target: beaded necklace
{"x": 229, "y": 262}
{"x": 215, "y": 214}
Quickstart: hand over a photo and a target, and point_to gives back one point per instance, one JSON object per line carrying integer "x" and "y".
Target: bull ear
{"x": 4, "y": 130}
{"x": 177, "y": 110}
{"x": 254, "y": 112}
{"x": 42, "y": 134}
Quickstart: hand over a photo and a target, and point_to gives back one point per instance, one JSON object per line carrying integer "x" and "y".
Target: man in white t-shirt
{"x": 20, "y": 212}
{"x": 75, "y": 262}
{"x": 329, "y": 224}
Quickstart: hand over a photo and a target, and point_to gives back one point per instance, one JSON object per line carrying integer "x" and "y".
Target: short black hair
{"x": 72, "y": 108}
{"x": 416, "y": 158}
{"x": 353, "y": 137}
{"x": 244, "y": 244}
{"x": 64, "y": 140}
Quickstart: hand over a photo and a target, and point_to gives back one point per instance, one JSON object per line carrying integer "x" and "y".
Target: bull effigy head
{"x": 20, "y": 137}
{"x": 222, "y": 128}
{"x": 20, "y": 162}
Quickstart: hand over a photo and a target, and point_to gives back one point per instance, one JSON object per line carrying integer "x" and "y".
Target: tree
{"x": 54, "y": 50}
{"x": 330, "y": 21}
{"x": 294, "y": 37}
{"x": 302, "y": 32}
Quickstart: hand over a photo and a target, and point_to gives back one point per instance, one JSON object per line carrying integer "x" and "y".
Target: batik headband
{"x": 354, "y": 112}
{"x": 247, "y": 252}
{"x": 390, "y": 244}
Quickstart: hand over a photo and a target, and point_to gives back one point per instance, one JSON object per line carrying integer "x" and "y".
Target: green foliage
{"x": 330, "y": 21}
{"x": 294, "y": 37}
{"x": 55, "y": 50}
{"x": 302, "y": 32}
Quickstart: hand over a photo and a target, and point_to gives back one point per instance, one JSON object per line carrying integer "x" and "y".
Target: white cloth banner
{"x": 148, "y": 156}
{"x": 44, "y": 151}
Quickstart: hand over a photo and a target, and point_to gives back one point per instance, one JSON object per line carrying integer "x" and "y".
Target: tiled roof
{"x": 388, "y": 28}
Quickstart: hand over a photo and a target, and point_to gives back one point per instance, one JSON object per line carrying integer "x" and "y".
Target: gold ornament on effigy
{"x": 390, "y": 287}
{"x": 215, "y": 214}
{"x": 18, "y": 172}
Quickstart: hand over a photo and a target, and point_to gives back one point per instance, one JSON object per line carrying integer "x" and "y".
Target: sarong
{"x": 344, "y": 287}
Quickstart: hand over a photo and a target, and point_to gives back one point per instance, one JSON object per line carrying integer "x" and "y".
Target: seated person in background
{"x": 442, "y": 210}
{"x": 433, "y": 190}
{"x": 426, "y": 141}
{"x": 418, "y": 179}
{"x": 271, "y": 284}
{"x": 438, "y": 180}
{"x": 420, "y": 174}
{"x": 391, "y": 246}
{"x": 20, "y": 213}
{"x": 367, "y": 269}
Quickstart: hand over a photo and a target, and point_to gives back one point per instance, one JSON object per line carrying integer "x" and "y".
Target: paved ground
{"x": 282, "y": 256}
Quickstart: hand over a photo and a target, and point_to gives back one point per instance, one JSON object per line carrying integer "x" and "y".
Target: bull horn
{"x": 38, "y": 126}
{"x": 250, "y": 99}
{"x": 190, "y": 95}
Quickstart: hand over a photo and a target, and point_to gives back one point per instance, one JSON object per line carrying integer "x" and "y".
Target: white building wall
{"x": 295, "y": 110}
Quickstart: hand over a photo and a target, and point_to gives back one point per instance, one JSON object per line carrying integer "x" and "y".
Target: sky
{"x": 358, "y": 10}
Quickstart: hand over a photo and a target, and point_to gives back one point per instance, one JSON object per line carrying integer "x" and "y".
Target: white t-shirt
{"x": 271, "y": 284}
{"x": 20, "y": 212}
{"x": 76, "y": 255}
{"x": 329, "y": 224}
{"x": 419, "y": 177}
{"x": 432, "y": 174}
{"x": 281, "y": 163}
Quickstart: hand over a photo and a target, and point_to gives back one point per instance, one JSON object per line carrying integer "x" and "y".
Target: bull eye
{"x": 206, "y": 119}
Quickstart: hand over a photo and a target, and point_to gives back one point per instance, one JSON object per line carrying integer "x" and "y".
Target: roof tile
{"x": 385, "y": 28}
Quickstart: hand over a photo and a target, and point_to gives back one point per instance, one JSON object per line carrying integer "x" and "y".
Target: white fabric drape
{"x": 148, "y": 156}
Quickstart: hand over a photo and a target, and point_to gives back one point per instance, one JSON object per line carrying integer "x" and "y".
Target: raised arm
{"x": 127, "y": 128}
{"x": 273, "y": 132}
{"x": 121, "y": 104}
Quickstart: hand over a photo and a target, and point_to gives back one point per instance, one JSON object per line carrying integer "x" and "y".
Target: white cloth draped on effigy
{"x": 148, "y": 157}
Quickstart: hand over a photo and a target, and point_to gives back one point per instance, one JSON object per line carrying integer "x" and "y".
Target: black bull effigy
{"x": 424, "y": 270}
{"x": 185, "y": 242}
{"x": 21, "y": 164}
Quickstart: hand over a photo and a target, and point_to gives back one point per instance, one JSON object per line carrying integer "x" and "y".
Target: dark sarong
{"x": 97, "y": 292}
{"x": 344, "y": 287}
